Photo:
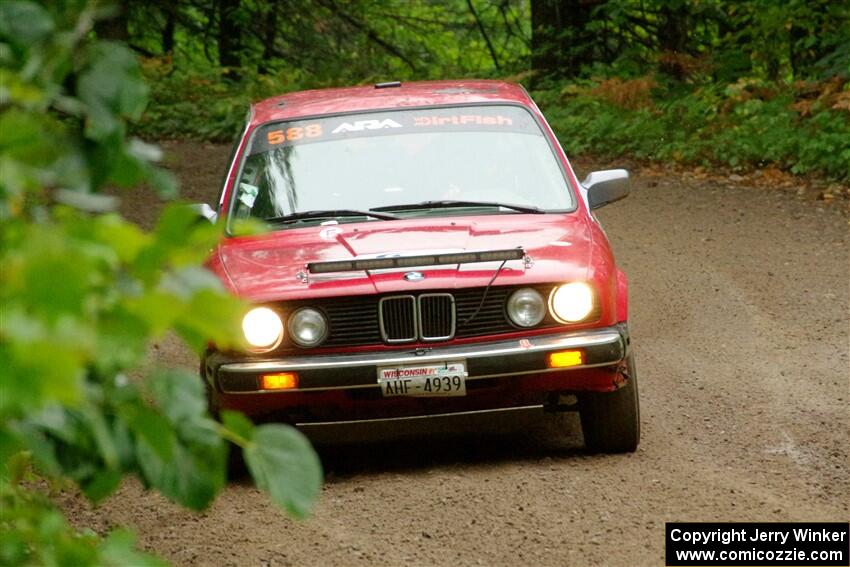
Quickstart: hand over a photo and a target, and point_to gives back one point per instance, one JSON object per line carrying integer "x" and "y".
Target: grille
{"x": 351, "y": 321}
{"x": 398, "y": 318}
{"x": 436, "y": 316}
{"x": 491, "y": 318}
{"x": 355, "y": 321}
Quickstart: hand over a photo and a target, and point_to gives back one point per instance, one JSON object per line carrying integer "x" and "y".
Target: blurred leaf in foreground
{"x": 84, "y": 293}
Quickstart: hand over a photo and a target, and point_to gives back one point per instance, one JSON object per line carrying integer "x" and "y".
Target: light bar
{"x": 416, "y": 261}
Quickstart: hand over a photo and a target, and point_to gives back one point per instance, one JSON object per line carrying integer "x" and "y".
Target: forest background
{"x": 742, "y": 84}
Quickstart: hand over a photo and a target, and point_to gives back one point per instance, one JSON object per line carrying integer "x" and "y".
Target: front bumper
{"x": 485, "y": 360}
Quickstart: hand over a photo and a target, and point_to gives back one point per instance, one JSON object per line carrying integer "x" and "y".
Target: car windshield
{"x": 306, "y": 170}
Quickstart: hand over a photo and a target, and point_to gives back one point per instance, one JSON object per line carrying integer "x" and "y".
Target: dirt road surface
{"x": 739, "y": 313}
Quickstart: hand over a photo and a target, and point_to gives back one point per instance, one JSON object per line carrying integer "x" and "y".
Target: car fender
{"x": 622, "y": 296}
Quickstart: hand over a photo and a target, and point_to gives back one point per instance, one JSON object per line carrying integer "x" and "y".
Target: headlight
{"x": 572, "y": 302}
{"x": 262, "y": 328}
{"x": 307, "y": 327}
{"x": 526, "y": 307}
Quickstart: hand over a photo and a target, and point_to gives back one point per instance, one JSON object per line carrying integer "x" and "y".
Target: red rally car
{"x": 429, "y": 251}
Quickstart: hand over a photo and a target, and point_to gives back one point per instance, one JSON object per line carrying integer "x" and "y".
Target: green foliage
{"x": 83, "y": 294}
{"x": 322, "y": 40}
{"x": 319, "y": 44}
{"x": 790, "y": 39}
{"x": 707, "y": 125}
{"x": 201, "y": 104}
{"x": 271, "y": 448}
{"x": 729, "y": 39}
{"x": 725, "y": 75}
{"x": 34, "y": 533}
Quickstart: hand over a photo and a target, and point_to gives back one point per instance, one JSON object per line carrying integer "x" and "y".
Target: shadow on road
{"x": 351, "y": 449}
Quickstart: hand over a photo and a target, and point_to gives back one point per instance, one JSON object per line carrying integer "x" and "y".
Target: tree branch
{"x": 369, "y": 31}
{"x": 484, "y": 34}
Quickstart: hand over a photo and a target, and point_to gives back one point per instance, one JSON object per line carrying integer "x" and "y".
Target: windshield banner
{"x": 456, "y": 119}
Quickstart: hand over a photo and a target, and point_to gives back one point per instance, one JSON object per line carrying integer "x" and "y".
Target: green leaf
{"x": 29, "y": 382}
{"x": 98, "y": 429}
{"x": 24, "y": 23}
{"x": 284, "y": 464}
{"x": 126, "y": 170}
{"x": 112, "y": 88}
{"x": 143, "y": 151}
{"x": 238, "y": 424}
{"x": 28, "y": 137}
{"x": 43, "y": 450}
{"x": 121, "y": 341}
{"x": 196, "y": 471}
{"x": 43, "y": 288}
{"x": 162, "y": 181}
{"x": 175, "y": 225}
{"x": 101, "y": 484}
{"x": 151, "y": 429}
{"x": 10, "y": 445}
{"x": 89, "y": 202}
{"x": 179, "y": 240}
{"x": 125, "y": 443}
{"x": 191, "y": 478}
{"x": 118, "y": 550}
{"x": 180, "y": 396}
{"x": 214, "y": 317}
{"x": 186, "y": 282}
{"x": 124, "y": 237}
{"x": 158, "y": 310}
{"x": 16, "y": 466}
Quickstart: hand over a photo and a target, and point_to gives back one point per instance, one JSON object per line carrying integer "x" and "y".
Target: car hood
{"x": 272, "y": 266}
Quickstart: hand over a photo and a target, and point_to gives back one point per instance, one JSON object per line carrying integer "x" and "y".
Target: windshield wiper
{"x": 446, "y": 204}
{"x": 333, "y": 213}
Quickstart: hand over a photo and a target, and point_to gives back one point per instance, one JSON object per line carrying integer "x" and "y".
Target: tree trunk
{"x": 115, "y": 27}
{"x": 229, "y": 38}
{"x": 269, "y": 38}
{"x": 545, "y": 55}
{"x": 168, "y": 31}
{"x": 673, "y": 37}
{"x": 560, "y": 41}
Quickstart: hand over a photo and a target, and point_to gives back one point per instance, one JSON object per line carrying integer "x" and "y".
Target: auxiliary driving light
{"x": 572, "y": 302}
{"x": 279, "y": 381}
{"x": 566, "y": 358}
{"x": 262, "y": 328}
{"x": 307, "y": 327}
{"x": 526, "y": 307}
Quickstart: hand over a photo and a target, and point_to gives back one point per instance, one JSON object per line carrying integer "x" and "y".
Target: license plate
{"x": 430, "y": 380}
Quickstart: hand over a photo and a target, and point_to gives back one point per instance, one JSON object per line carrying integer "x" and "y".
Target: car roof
{"x": 386, "y": 96}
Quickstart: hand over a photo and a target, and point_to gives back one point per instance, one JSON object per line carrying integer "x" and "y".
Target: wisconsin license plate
{"x": 430, "y": 380}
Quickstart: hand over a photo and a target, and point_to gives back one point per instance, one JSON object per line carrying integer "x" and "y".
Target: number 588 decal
{"x": 294, "y": 134}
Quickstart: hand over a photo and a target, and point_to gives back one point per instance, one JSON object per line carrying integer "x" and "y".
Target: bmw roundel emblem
{"x": 414, "y": 276}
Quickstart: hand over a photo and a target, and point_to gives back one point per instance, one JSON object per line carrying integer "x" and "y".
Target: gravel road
{"x": 740, "y": 319}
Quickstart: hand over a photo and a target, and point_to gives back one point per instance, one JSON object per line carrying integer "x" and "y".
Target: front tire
{"x": 237, "y": 469}
{"x": 610, "y": 421}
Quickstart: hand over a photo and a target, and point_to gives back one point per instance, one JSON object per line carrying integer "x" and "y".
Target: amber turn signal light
{"x": 279, "y": 381}
{"x": 566, "y": 358}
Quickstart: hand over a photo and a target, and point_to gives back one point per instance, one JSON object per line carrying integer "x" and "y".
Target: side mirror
{"x": 605, "y": 187}
{"x": 205, "y": 211}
